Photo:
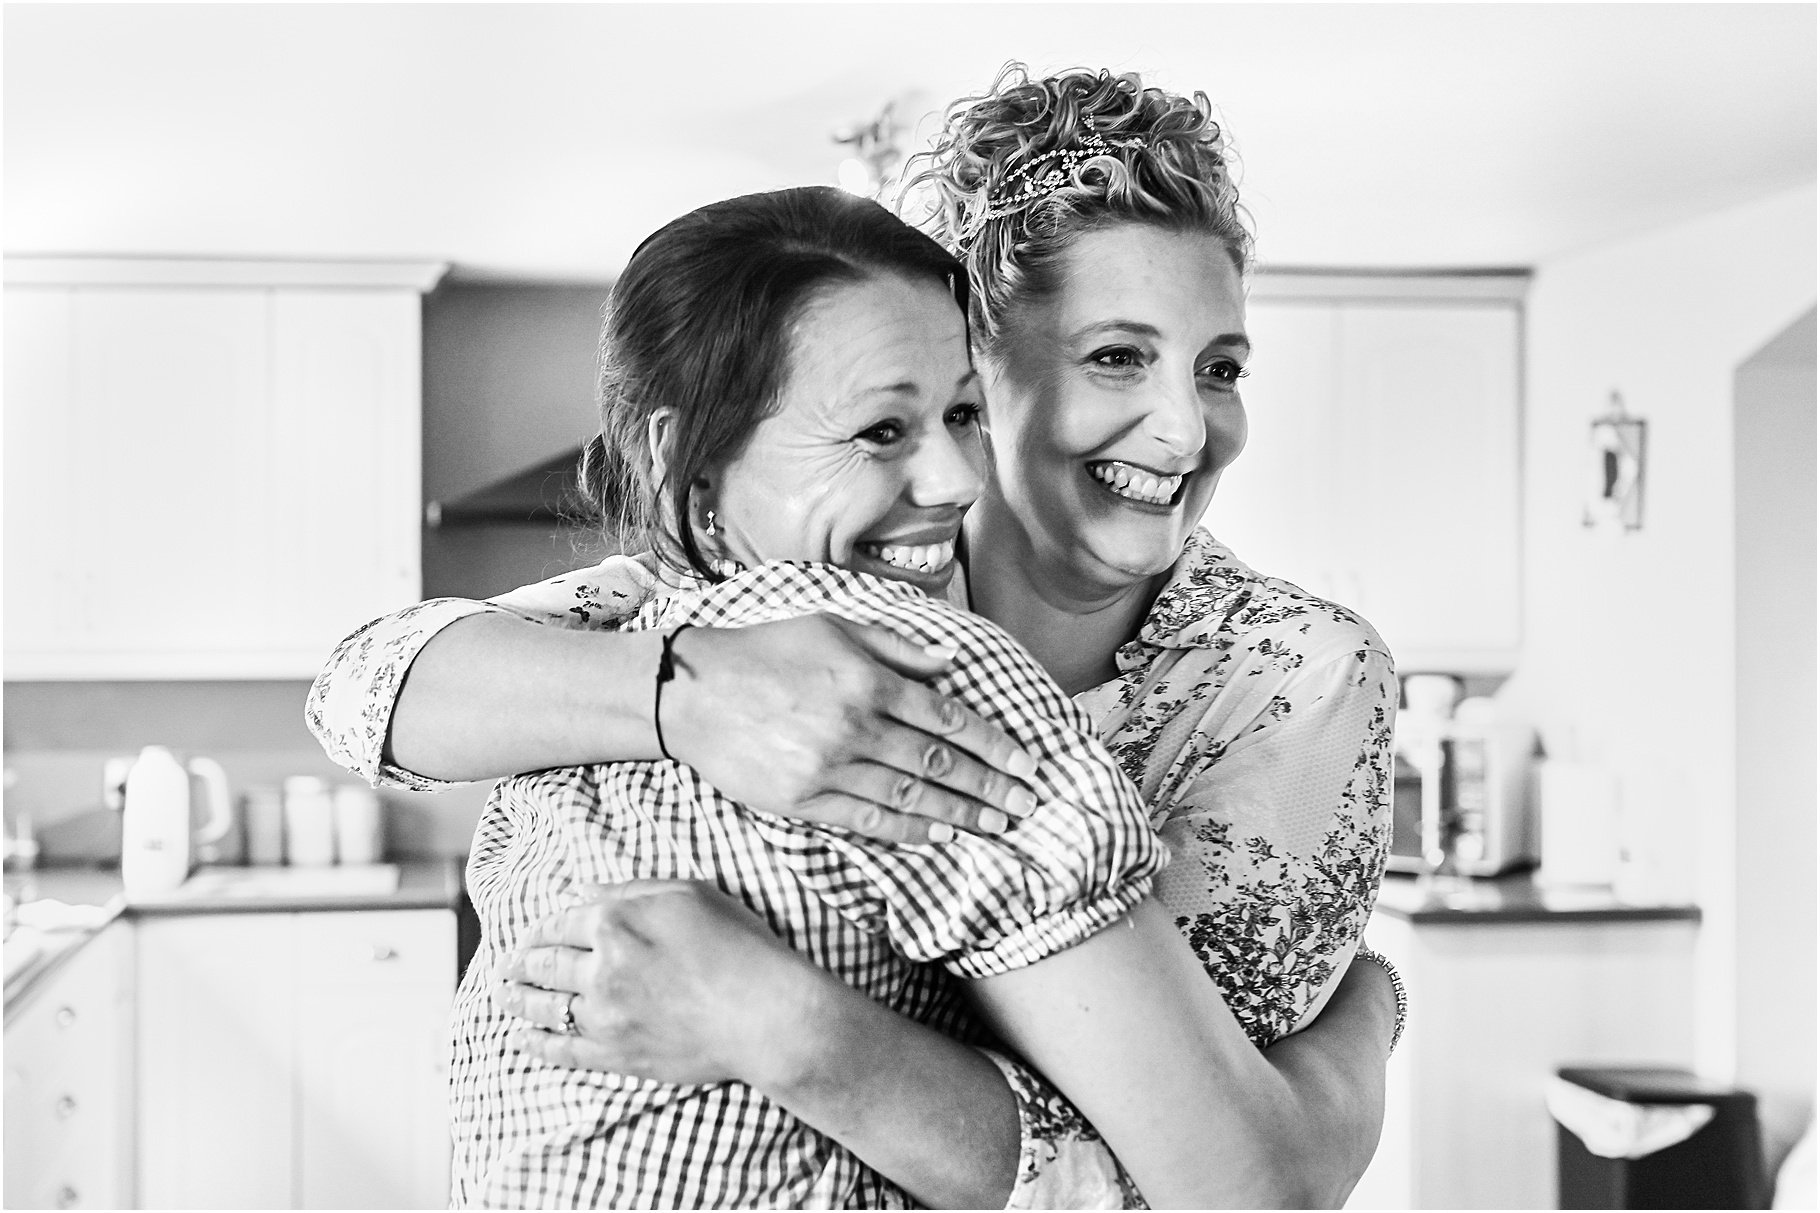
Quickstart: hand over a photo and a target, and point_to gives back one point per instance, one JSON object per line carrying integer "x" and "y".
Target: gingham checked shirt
{"x": 888, "y": 919}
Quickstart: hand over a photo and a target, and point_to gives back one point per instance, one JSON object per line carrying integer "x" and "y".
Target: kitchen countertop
{"x": 47, "y": 935}
{"x": 1516, "y": 898}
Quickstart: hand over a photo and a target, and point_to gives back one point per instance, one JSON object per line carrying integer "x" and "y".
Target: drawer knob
{"x": 67, "y": 1197}
{"x": 383, "y": 951}
{"x": 66, "y": 1107}
{"x": 66, "y": 1016}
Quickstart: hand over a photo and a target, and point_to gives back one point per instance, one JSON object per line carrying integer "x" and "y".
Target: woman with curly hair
{"x": 1105, "y": 251}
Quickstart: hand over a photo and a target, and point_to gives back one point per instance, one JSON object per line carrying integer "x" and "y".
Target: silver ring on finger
{"x": 567, "y": 1026}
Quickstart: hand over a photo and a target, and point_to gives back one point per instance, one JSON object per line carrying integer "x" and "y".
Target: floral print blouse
{"x": 1254, "y": 718}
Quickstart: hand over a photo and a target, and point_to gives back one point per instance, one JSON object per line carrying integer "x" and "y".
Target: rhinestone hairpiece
{"x": 1039, "y": 185}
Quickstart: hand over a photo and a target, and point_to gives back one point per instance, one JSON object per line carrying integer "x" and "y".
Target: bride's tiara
{"x": 1062, "y": 163}
{"x": 1044, "y": 175}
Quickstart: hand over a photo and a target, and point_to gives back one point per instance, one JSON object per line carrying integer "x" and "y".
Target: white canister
{"x": 1577, "y": 809}
{"x": 359, "y": 825}
{"x": 309, "y": 822}
{"x": 262, "y": 810}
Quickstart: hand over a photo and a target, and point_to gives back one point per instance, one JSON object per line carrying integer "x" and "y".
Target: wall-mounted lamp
{"x": 1614, "y": 499}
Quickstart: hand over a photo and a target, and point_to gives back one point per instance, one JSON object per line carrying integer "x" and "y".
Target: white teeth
{"x": 921, "y": 558}
{"x": 1136, "y": 483}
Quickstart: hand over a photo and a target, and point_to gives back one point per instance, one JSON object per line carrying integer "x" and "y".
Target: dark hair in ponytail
{"x": 699, "y": 323}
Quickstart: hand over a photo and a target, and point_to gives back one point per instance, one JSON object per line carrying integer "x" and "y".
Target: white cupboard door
{"x": 373, "y": 1041}
{"x": 1382, "y": 469}
{"x": 342, "y": 474}
{"x": 1428, "y": 418}
{"x": 171, "y": 390}
{"x": 206, "y": 481}
{"x": 1276, "y": 505}
{"x": 216, "y": 1048}
{"x": 50, "y": 595}
{"x": 127, "y": 527}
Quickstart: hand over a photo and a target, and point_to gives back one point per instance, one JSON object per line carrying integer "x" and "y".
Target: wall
{"x": 58, "y": 735}
{"x": 1628, "y": 648}
{"x": 1773, "y": 458}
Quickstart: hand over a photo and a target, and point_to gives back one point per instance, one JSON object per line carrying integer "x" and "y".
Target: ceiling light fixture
{"x": 874, "y": 157}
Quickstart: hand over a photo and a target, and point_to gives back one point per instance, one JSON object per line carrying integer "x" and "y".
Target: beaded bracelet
{"x": 666, "y": 670}
{"x": 1396, "y": 985}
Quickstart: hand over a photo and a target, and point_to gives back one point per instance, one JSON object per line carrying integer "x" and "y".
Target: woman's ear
{"x": 659, "y": 431}
{"x": 660, "y": 436}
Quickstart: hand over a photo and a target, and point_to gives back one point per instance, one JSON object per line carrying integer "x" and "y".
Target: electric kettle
{"x": 157, "y": 839}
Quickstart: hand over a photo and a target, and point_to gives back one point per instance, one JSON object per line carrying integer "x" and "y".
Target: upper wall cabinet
{"x": 1382, "y": 468}
{"x": 212, "y": 468}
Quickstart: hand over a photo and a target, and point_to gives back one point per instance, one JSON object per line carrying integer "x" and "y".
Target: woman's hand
{"x": 826, "y": 720}
{"x": 670, "y": 980}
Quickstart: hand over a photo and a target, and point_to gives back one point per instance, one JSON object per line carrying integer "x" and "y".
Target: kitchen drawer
{"x": 76, "y": 1173}
{"x": 382, "y": 947}
{"x": 58, "y": 1103}
{"x": 58, "y": 1188}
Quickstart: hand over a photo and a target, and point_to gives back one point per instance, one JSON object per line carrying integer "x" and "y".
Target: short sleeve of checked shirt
{"x": 979, "y": 905}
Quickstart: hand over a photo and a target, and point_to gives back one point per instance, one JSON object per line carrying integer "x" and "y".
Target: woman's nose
{"x": 948, "y": 470}
{"x": 1177, "y": 420}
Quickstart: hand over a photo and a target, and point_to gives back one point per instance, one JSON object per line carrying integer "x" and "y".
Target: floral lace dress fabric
{"x": 1254, "y": 718}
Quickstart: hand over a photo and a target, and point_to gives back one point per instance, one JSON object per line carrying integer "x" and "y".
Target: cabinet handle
{"x": 66, "y": 1017}
{"x": 67, "y": 1197}
{"x": 66, "y": 1106}
{"x": 384, "y": 952}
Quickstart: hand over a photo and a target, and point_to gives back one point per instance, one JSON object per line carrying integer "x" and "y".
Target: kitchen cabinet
{"x": 295, "y": 1060}
{"x": 69, "y": 1134}
{"x": 1382, "y": 468}
{"x": 1500, "y": 997}
{"x": 211, "y": 468}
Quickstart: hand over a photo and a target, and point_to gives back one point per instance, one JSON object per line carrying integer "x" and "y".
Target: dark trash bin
{"x": 1720, "y": 1166}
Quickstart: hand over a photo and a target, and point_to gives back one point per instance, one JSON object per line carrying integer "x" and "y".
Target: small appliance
{"x": 1462, "y": 796}
{"x": 158, "y": 839}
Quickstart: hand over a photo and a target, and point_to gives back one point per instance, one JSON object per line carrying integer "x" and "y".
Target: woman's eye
{"x": 883, "y": 434}
{"x": 1225, "y": 372}
{"x": 1117, "y": 358}
{"x": 964, "y": 414}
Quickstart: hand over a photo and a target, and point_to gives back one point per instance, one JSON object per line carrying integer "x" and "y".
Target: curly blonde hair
{"x": 1164, "y": 163}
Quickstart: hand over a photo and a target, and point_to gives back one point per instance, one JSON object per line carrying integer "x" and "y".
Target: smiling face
{"x": 873, "y": 453}
{"x": 1115, "y": 405}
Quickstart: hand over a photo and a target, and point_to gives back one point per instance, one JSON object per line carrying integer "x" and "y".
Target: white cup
{"x": 359, "y": 825}
{"x": 309, "y": 822}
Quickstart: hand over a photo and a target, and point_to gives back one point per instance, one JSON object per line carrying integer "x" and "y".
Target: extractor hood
{"x": 545, "y": 493}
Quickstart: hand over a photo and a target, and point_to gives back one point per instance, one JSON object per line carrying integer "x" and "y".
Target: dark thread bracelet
{"x": 666, "y": 670}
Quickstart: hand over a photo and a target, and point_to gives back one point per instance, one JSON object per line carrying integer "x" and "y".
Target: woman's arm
{"x": 675, "y": 981}
{"x": 1128, "y": 1026}
{"x": 815, "y": 718}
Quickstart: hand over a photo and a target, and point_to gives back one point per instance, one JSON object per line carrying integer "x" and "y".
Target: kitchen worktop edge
{"x": 1515, "y": 898}
{"x": 423, "y": 884}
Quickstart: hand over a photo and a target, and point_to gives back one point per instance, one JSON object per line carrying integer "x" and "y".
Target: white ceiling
{"x": 543, "y": 141}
